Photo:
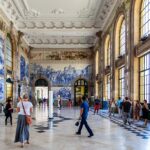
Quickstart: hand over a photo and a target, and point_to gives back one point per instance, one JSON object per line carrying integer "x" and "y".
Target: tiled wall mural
{"x": 27, "y": 70}
{"x": 1, "y": 57}
{"x": 64, "y": 92}
{"x": 24, "y": 68}
{"x": 63, "y": 77}
{"x": 1, "y": 89}
{"x": 1, "y": 69}
{"x": 61, "y": 68}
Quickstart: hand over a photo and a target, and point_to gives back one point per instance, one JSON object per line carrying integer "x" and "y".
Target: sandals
{"x": 22, "y": 145}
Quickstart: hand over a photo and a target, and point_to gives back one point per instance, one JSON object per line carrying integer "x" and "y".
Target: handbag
{"x": 28, "y": 117}
{"x": 77, "y": 123}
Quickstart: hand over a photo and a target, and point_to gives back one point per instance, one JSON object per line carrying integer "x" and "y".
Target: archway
{"x": 80, "y": 89}
{"x": 41, "y": 91}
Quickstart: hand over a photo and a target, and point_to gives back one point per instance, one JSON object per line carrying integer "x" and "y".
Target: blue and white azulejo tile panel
{"x": 1, "y": 89}
{"x": 64, "y": 77}
{"x": 64, "y": 92}
{"x": 1, "y": 57}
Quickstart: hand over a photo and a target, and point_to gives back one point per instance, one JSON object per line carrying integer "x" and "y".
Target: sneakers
{"x": 91, "y": 135}
{"x": 78, "y": 133}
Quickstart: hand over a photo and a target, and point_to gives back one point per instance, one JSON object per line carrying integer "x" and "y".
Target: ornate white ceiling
{"x": 58, "y": 23}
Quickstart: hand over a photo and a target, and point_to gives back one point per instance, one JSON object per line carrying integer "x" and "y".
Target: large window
{"x": 145, "y": 77}
{"x": 9, "y": 60}
{"x": 145, "y": 18}
{"x": 122, "y": 39}
{"x": 122, "y": 82}
{"x": 108, "y": 87}
{"x": 96, "y": 72}
{"x": 107, "y": 51}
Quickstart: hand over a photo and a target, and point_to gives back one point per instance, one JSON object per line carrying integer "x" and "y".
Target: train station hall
{"x": 75, "y": 74}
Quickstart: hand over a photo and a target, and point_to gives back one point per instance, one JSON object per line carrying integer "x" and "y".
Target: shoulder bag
{"x": 28, "y": 117}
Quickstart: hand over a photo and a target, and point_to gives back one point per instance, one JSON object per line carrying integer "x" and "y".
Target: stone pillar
{"x": 97, "y": 77}
{"x": 17, "y": 84}
{"x": 127, "y": 62}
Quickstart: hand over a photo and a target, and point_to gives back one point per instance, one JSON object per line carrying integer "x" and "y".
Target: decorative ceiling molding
{"x": 32, "y": 16}
{"x": 60, "y": 46}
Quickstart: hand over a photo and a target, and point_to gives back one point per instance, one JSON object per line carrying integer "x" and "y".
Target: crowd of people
{"x": 24, "y": 110}
{"x": 127, "y": 108}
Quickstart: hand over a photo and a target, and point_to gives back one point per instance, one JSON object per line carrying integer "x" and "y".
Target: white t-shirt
{"x": 113, "y": 105}
{"x": 27, "y": 105}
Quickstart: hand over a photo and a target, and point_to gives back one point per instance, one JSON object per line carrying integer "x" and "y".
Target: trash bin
{"x": 105, "y": 105}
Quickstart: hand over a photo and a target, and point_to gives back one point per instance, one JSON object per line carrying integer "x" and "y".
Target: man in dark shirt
{"x": 83, "y": 115}
{"x": 126, "y": 111}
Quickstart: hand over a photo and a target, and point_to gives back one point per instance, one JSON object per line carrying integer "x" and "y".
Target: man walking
{"x": 126, "y": 111}
{"x": 83, "y": 116}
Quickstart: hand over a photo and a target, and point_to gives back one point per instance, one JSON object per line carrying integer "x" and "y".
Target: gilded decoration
{"x": 61, "y": 55}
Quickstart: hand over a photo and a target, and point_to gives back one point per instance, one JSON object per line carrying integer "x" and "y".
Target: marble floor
{"x": 59, "y": 133}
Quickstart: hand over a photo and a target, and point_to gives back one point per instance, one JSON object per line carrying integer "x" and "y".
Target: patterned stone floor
{"x": 59, "y": 133}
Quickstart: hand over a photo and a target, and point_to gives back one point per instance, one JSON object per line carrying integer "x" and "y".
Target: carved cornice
{"x": 120, "y": 61}
{"x": 3, "y": 26}
{"x": 20, "y": 35}
{"x": 142, "y": 47}
{"x": 107, "y": 70}
{"x": 127, "y": 4}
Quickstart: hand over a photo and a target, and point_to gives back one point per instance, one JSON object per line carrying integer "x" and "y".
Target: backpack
{"x": 121, "y": 104}
{"x": 5, "y": 111}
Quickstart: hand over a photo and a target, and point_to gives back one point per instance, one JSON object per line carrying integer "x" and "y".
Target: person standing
{"x": 137, "y": 109}
{"x": 119, "y": 106}
{"x": 59, "y": 102}
{"x": 22, "y": 130}
{"x": 126, "y": 111}
{"x": 83, "y": 116}
{"x": 112, "y": 107}
{"x": 69, "y": 103}
{"x": 8, "y": 111}
{"x": 145, "y": 111}
{"x": 96, "y": 106}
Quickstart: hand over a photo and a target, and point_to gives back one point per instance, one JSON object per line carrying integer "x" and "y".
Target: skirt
{"x": 22, "y": 130}
{"x": 96, "y": 107}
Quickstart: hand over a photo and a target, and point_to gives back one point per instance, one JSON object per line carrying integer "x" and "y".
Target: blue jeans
{"x": 126, "y": 117}
{"x": 84, "y": 122}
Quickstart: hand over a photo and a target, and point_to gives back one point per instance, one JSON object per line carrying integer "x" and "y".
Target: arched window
{"x": 122, "y": 39}
{"x": 108, "y": 87}
{"x": 9, "y": 54}
{"x": 145, "y": 77}
{"x": 107, "y": 51}
{"x": 145, "y": 18}
{"x": 96, "y": 62}
{"x": 120, "y": 36}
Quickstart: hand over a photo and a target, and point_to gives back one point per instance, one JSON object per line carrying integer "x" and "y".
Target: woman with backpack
{"x": 8, "y": 110}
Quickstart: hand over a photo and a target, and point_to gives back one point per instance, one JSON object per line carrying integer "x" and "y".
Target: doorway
{"x": 80, "y": 89}
{"x": 41, "y": 91}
